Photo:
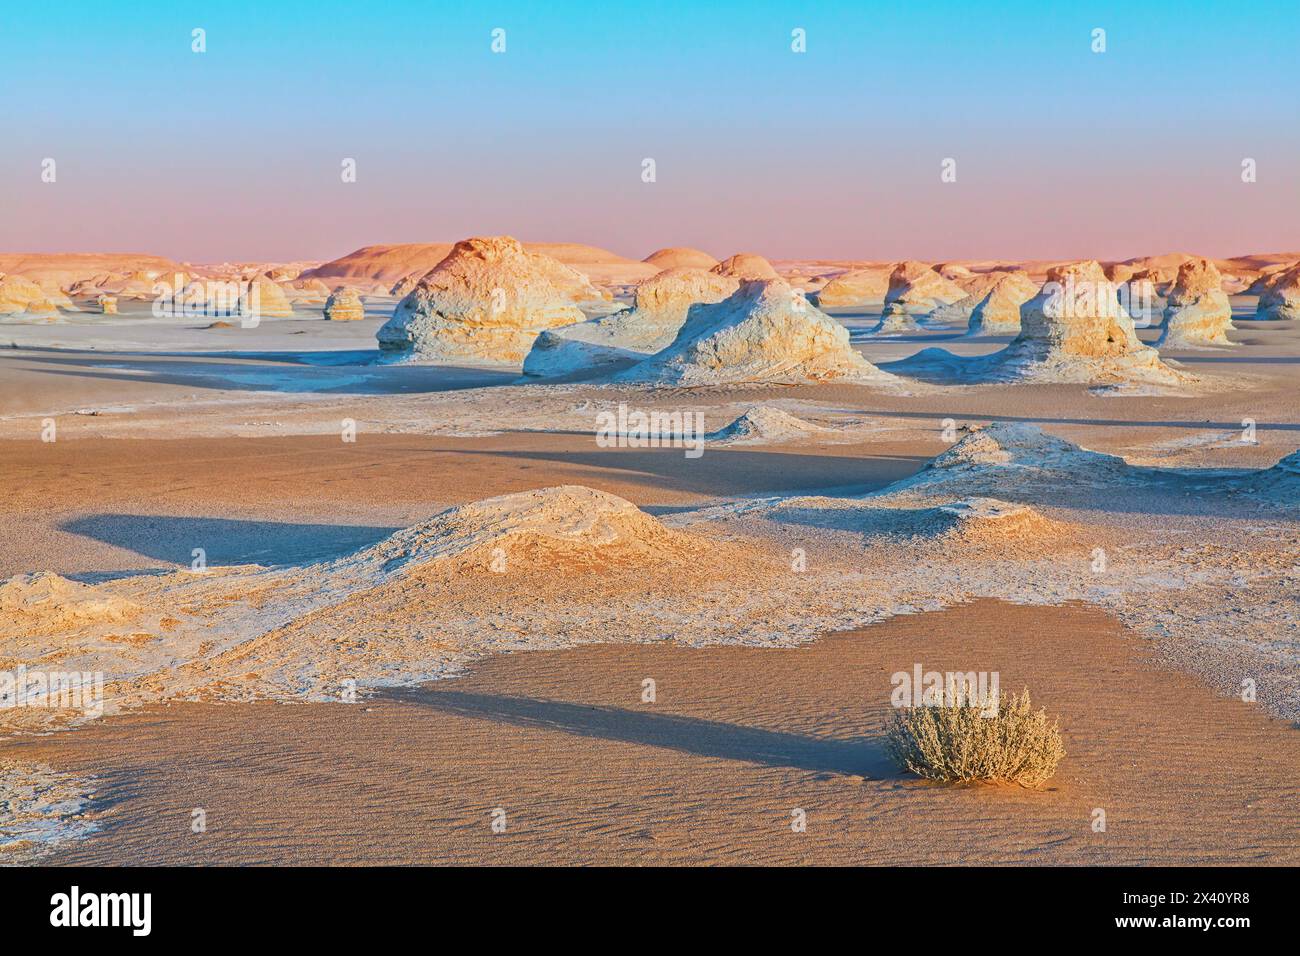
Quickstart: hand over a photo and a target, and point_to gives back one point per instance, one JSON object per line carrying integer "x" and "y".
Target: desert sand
{"x": 1111, "y": 525}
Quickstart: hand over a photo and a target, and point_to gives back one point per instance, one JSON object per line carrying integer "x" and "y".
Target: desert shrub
{"x": 957, "y": 743}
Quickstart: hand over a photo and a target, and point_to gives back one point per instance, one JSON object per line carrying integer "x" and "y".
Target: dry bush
{"x": 955, "y": 743}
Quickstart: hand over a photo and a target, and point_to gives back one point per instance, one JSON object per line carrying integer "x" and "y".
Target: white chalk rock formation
{"x": 542, "y": 527}
{"x": 263, "y": 298}
{"x": 856, "y": 287}
{"x": 107, "y": 304}
{"x": 1003, "y": 457}
{"x": 895, "y": 320}
{"x": 1076, "y": 330}
{"x": 17, "y": 293}
{"x": 1198, "y": 312}
{"x": 765, "y": 332}
{"x": 1281, "y": 300}
{"x": 919, "y": 289}
{"x": 485, "y": 303}
{"x": 762, "y": 424}
{"x": 745, "y": 266}
{"x": 345, "y": 305}
{"x": 997, "y": 310}
{"x": 660, "y": 309}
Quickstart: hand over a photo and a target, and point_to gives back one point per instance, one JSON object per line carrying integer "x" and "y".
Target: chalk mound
{"x": 765, "y": 332}
{"x": 1281, "y": 299}
{"x": 484, "y": 303}
{"x": 308, "y": 291}
{"x": 895, "y": 320}
{"x": 1198, "y": 312}
{"x": 566, "y": 525}
{"x": 107, "y": 304}
{"x": 1006, "y": 456}
{"x": 997, "y": 310}
{"x": 746, "y": 266}
{"x": 681, "y": 257}
{"x": 55, "y": 295}
{"x": 44, "y": 602}
{"x": 264, "y": 297}
{"x": 660, "y": 309}
{"x": 18, "y": 293}
{"x": 978, "y": 522}
{"x": 918, "y": 289}
{"x": 1076, "y": 330}
{"x": 762, "y": 424}
{"x": 1268, "y": 276}
{"x": 345, "y": 305}
{"x": 856, "y": 287}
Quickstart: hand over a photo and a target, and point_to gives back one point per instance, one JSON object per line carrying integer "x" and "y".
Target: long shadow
{"x": 284, "y": 378}
{"x": 864, "y": 756}
{"x": 225, "y": 540}
{"x": 1234, "y": 426}
{"x": 734, "y": 472}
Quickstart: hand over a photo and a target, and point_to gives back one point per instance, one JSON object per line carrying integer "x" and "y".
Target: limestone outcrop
{"x": 345, "y": 305}
{"x": 1198, "y": 312}
{"x": 766, "y": 332}
{"x": 485, "y": 303}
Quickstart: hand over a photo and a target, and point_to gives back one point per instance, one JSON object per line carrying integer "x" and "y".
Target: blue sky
{"x": 235, "y": 153}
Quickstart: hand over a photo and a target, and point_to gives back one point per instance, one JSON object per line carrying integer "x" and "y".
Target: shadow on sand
{"x": 863, "y": 756}
{"x": 226, "y": 541}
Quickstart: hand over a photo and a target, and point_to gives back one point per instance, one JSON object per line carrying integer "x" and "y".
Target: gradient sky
{"x": 835, "y": 153}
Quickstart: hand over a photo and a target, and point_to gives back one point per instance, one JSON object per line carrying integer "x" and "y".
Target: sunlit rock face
{"x": 1198, "y": 312}
{"x": 766, "y": 332}
{"x": 1281, "y": 299}
{"x": 661, "y": 306}
{"x": 746, "y": 265}
{"x": 345, "y": 305}
{"x": 485, "y": 303}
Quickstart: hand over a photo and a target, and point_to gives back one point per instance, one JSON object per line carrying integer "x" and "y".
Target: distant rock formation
{"x": 746, "y": 266}
{"x": 345, "y": 306}
{"x": 1281, "y": 300}
{"x": 765, "y": 332}
{"x": 662, "y": 303}
{"x": 389, "y": 264}
{"x": 997, "y": 311}
{"x": 1267, "y": 277}
{"x": 264, "y": 297}
{"x": 309, "y": 291}
{"x": 107, "y": 304}
{"x": 1198, "y": 312}
{"x": 681, "y": 257}
{"x": 919, "y": 289}
{"x": 17, "y": 293}
{"x": 895, "y": 320}
{"x": 65, "y": 270}
{"x": 855, "y": 287}
{"x": 484, "y": 303}
{"x": 1075, "y": 330}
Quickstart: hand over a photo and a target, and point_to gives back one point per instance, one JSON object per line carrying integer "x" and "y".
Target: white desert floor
{"x": 1133, "y": 590}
